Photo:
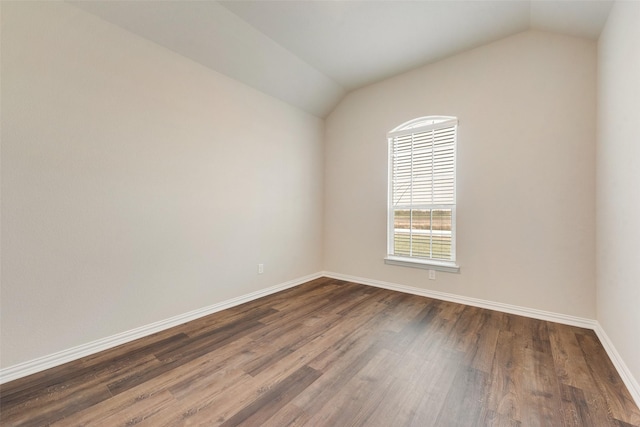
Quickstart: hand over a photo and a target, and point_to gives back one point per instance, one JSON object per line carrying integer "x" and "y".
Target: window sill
{"x": 449, "y": 267}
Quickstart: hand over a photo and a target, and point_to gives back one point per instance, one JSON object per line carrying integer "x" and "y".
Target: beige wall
{"x": 138, "y": 185}
{"x": 618, "y": 182}
{"x": 526, "y": 172}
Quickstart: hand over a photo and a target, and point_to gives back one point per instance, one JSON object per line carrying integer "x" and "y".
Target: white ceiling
{"x": 309, "y": 53}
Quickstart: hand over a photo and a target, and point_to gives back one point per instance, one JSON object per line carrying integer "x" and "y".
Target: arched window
{"x": 422, "y": 193}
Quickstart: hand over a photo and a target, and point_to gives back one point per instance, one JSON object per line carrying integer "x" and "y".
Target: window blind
{"x": 422, "y": 187}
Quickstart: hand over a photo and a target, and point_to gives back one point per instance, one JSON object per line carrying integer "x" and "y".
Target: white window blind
{"x": 422, "y": 174}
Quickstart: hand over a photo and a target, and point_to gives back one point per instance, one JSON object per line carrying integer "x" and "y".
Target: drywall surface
{"x": 138, "y": 185}
{"x": 526, "y": 172}
{"x": 618, "y": 182}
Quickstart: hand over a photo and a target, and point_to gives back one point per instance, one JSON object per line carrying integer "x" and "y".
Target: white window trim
{"x": 449, "y": 267}
{"x": 408, "y": 128}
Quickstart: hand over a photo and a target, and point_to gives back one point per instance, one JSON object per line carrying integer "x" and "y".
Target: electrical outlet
{"x": 432, "y": 275}
{"x": 260, "y": 268}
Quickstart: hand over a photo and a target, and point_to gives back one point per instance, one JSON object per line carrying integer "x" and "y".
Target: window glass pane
{"x": 401, "y": 235}
{"x": 402, "y": 219}
{"x": 420, "y": 219}
{"x": 420, "y": 223}
{"x": 441, "y": 238}
{"x": 402, "y": 245}
{"x": 420, "y": 244}
{"x": 442, "y": 219}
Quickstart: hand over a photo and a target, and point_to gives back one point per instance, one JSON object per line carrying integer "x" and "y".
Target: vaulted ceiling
{"x": 310, "y": 53}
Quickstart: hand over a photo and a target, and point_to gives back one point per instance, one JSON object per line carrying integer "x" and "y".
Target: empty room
{"x": 320, "y": 213}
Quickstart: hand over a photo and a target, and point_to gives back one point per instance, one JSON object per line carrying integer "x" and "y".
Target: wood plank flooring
{"x": 334, "y": 353}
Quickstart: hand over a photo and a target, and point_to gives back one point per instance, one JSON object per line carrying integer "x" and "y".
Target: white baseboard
{"x": 621, "y": 367}
{"x": 40, "y": 364}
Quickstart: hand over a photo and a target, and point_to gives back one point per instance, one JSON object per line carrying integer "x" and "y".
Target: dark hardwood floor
{"x": 333, "y": 353}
